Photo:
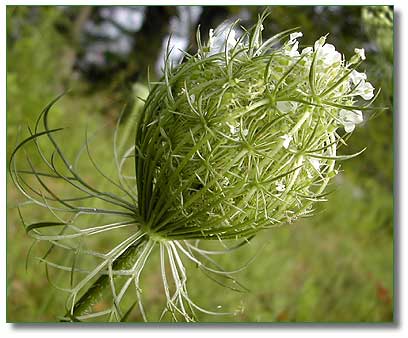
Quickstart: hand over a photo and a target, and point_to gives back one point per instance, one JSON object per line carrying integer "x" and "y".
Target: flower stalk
{"x": 97, "y": 291}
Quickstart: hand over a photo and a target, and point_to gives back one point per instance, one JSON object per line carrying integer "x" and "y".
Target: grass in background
{"x": 334, "y": 267}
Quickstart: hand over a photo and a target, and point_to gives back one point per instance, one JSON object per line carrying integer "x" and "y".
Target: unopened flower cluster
{"x": 244, "y": 134}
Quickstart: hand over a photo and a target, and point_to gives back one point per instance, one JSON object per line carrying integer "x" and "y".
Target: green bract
{"x": 240, "y": 137}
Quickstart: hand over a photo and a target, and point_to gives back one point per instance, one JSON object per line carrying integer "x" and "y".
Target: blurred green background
{"x": 334, "y": 267}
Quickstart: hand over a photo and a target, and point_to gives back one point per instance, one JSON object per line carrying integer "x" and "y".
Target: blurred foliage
{"x": 33, "y": 58}
{"x": 336, "y": 266}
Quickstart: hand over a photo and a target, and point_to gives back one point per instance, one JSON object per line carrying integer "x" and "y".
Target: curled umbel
{"x": 243, "y": 135}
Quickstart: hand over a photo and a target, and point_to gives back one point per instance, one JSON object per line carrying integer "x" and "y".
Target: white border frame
{"x": 399, "y": 329}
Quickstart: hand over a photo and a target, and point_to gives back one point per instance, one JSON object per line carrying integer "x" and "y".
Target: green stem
{"x": 98, "y": 289}
{"x": 127, "y": 259}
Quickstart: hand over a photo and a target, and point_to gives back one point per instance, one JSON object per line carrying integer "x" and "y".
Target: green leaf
{"x": 39, "y": 225}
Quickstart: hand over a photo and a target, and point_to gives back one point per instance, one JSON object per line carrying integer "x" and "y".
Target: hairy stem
{"x": 98, "y": 289}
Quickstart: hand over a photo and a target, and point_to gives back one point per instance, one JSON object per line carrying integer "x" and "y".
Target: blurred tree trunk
{"x": 148, "y": 41}
{"x": 73, "y": 49}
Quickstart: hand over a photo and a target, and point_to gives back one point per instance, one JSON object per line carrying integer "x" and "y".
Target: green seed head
{"x": 243, "y": 135}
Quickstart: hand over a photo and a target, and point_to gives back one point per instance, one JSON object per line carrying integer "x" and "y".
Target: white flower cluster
{"x": 362, "y": 88}
{"x": 291, "y": 47}
{"x": 220, "y": 39}
{"x": 328, "y": 60}
{"x": 329, "y": 57}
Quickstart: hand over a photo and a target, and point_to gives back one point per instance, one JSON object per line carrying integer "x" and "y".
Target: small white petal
{"x": 354, "y": 116}
{"x": 315, "y": 163}
{"x": 233, "y": 129}
{"x": 291, "y": 49}
{"x": 360, "y": 52}
{"x": 328, "y": 48}
{"x": 329, "y": 55}
{"x": 245, "y": 132}
{"x": 319, "y": 43}
{"x": 286, "y": 140}
{"x": 285, "y": 106}
{"x": 223, "y": 37}
{"x": 280, "y": 186}
{"x": 307, "y": 50}
{"x": 295, "y": 35}
{"x": 231, "y": 40}
{"x": 349, "y": 127}
{"x": 367, "y": 91}
{"x": 349, "y": 118}
{"x": 357, "y": 77}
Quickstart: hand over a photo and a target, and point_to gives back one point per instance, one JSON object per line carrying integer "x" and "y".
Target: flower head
{"x": 243, "y": 124}
{"x": 349, "y": 119}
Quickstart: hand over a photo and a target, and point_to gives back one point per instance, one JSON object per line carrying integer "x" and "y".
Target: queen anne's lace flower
{"x": 223, "y": 37}
{"x": 360, "y": 52}
{"x": 291, "y": 47}
{"x": 357, "y": 77}
{"x": 349, "y": 119}
{"x": 365, "y": 90}
{"x": 328, "y": 54}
